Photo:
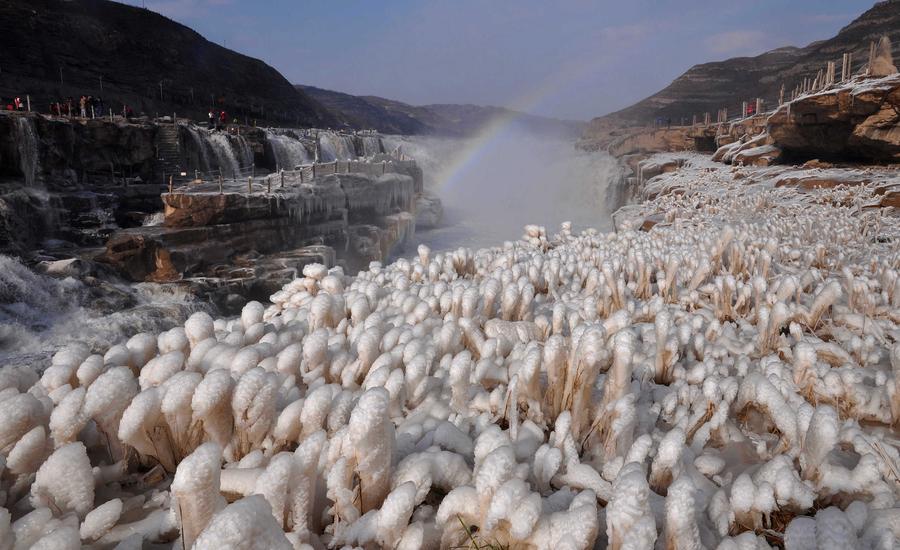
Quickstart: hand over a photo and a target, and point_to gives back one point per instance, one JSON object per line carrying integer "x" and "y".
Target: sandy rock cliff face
{"x": 862, "y": 120}
{"x": 708, "y": 87}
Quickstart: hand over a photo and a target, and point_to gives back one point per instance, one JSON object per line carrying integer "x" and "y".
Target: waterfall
{"x": 225, "y": 157}
{"x": 245, "y": 154}
{"x": 527, "y": 178}
{"x": 289, "y": 152}
{"x": 334, "y": 146}
{"x": 371, "y": 146}
{"x": 327, "y": 151}
{"x": 349, "y": 145}
{"x": 27, "y": 145}
{"x": 219, "y": 150}
{"x": 202, "y": 145}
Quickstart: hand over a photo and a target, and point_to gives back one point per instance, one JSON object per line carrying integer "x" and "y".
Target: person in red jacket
{"x": 223, "y": 118}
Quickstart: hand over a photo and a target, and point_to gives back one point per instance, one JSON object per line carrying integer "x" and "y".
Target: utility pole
{"x": 101, "y": 83}
{"x": 160, "y": 90}
{"x": 61, "y": 83}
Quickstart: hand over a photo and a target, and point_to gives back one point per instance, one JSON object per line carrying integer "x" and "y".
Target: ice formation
{"x": 730, "y": 379}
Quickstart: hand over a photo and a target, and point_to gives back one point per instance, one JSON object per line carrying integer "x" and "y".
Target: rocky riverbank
{"x": 73, "y": 182}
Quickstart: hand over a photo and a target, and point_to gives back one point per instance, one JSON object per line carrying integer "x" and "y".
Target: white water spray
{"x": 27, "y": 145}
{"x": 226, "y": 159}
{"x": 511, "y": 180}
{"x": 333, "y": 146}
{"x": 39, "y": 314}
{"x": 289, "y": 152}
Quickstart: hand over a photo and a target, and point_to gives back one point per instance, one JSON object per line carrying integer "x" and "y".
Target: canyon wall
{"x": 261, "y": 240}
{"x": 72, "y": 182}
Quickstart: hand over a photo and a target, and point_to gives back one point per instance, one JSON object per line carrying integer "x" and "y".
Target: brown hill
{"x": 395, "y": 117}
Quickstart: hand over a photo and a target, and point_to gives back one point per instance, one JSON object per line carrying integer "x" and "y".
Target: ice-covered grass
{"x": 730, "y": 379}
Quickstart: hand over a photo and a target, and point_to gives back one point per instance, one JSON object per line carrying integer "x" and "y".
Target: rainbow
{"x": 481, "y": 145}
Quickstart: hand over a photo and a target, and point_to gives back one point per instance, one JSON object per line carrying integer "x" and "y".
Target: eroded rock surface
{"x": 861, "y": 119}
{"x": 363, "y": 217}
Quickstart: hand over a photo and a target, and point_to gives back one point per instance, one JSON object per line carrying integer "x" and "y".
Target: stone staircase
{"x": 168, "y": 146}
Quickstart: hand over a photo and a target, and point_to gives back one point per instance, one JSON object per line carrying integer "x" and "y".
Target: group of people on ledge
{"x": 16, "y": 104}
{"x": 218, "y": 119}
{"x": 86, "y": 107}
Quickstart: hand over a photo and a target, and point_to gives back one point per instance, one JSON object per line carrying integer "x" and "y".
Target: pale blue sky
{"x": 565, "y": 58}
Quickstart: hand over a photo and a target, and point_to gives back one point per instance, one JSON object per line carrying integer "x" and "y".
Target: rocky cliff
{"x": 708, "y": 87}
{"x": 72, "y": 183}
{"x": 54, "y": 49}
{"x": 260, "y": 240}
{"x": 854, "y": 121}
{"x": 395, "y": 117}
{"x": 860, "y": 120}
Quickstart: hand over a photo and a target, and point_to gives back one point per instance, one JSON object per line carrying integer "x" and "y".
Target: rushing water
{"x": 371, "y": 145}
{"x": 226, "y": 160}
{"x": 27, "y": 145}
{"x": 492, "y": 188}
{"x": 289, "y": 152}
{"x": 39, "y": 313}
{"x": 244, "y": 153}
{"x": 334, "y": 146}
{"x": 200, "y": 140}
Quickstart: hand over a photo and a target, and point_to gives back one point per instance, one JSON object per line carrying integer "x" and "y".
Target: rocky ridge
{"x": 395, "y": 117}
{"x": 708, "y": 87}
{"x": 56, "y": 49}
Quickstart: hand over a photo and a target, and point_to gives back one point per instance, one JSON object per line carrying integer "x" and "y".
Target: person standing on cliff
{"x": 212, "y": 119}
{"x": 223, "y": 118}
{"x": 82, "y": 104}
